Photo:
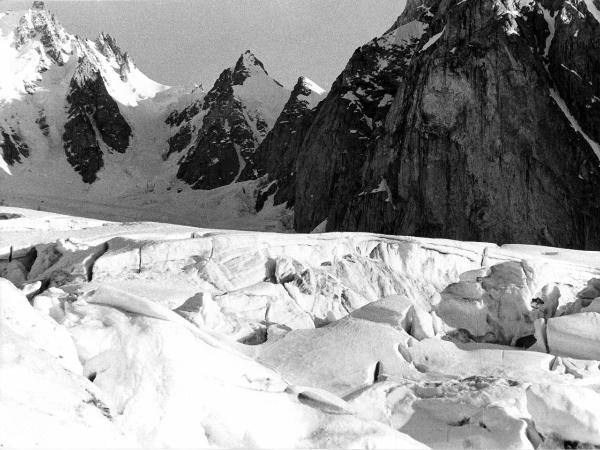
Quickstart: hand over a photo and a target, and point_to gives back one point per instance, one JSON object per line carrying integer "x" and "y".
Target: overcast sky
{"x": 180, "y": 42}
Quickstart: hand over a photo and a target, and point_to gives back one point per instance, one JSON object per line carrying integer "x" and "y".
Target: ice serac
{"x": 349, "y": 121}
{"x": 487, "y": 138}
{"x": 94, "y": 121}
{"x": 234, "y": 118}
{"x": 276, "y": 156}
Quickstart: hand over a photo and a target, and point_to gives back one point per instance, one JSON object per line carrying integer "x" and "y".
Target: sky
{"x": 183, "y": 42}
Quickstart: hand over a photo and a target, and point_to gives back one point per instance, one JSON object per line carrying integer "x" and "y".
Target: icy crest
{"x": 314, "y": 87}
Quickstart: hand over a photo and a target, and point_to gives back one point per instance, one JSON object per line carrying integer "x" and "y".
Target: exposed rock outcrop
{"x": 236, "y": 115}
{"x": 13, "y": 148}
{"x": 482, "y": 140}
{"x": 349, "y": 121}
{"x": 94, "y": 121}
{"x": 278, "y": 153}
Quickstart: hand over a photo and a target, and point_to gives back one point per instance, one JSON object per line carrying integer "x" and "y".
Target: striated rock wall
{"x": 345, "y": 130}
{"x": 478, "y": 144}
{"x": 278, "y": 153}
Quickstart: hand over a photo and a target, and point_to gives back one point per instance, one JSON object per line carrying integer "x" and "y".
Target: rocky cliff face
{"x": 94, "y": 123}
{"x": 277, "y": 154}
{"x": 483, "y": 140}
{"x": 224, "y": 132}
{"x": 13, "y": 149}
{"x": 349, "y": 121}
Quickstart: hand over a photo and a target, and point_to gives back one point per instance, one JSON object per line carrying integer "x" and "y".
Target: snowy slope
{"x": 146, "y": 335}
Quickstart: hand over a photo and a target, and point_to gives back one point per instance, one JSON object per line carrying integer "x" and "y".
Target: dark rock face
{"x": 278, "y": 153}
{"x": 345, "y": 129}
{"x": 475, "y": 145}
{"x": 224, "y": 143}
{"x": 213, "y": 160}
{"x": 184, "y": 120}
{"x": 574, "y": 62}
{"x": 13, "y": 148}
{"x": 94, "y": 117}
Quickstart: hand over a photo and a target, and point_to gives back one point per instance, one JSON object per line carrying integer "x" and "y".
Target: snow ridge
{"x": 310, "y": 84}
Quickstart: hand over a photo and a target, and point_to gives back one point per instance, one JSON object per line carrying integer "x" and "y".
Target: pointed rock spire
{"x": 39, "y": 23}
{"x": 246, "y": 66}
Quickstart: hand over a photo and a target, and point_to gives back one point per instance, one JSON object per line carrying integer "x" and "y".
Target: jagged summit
{"x": 248, "y": 60}
{"x": 236, "y": 115}
{"x": 38, "y": 24}
{"x": 247, "y": 65}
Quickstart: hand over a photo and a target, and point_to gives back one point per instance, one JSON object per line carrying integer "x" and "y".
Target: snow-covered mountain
{"x": 218, "y": 135}
{"x": 65, "y": 99}
{"x": 82, "y": 128}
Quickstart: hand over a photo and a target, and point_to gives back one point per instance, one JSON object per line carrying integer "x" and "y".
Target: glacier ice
{"x": 141, "y": 334}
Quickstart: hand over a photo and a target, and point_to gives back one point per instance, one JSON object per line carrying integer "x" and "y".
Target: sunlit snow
{"x": 155, "y": 335}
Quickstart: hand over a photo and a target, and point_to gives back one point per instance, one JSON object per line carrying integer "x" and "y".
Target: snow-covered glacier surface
{"x": 155, "y": 335}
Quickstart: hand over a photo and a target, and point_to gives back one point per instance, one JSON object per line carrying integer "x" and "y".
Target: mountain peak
{"x": 249, "y": 60}
{"x": 246, "y": 66}
{"x": 38, "y": 24}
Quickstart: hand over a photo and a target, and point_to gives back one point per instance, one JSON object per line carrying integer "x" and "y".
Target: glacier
{"x": 146, "y": 334}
